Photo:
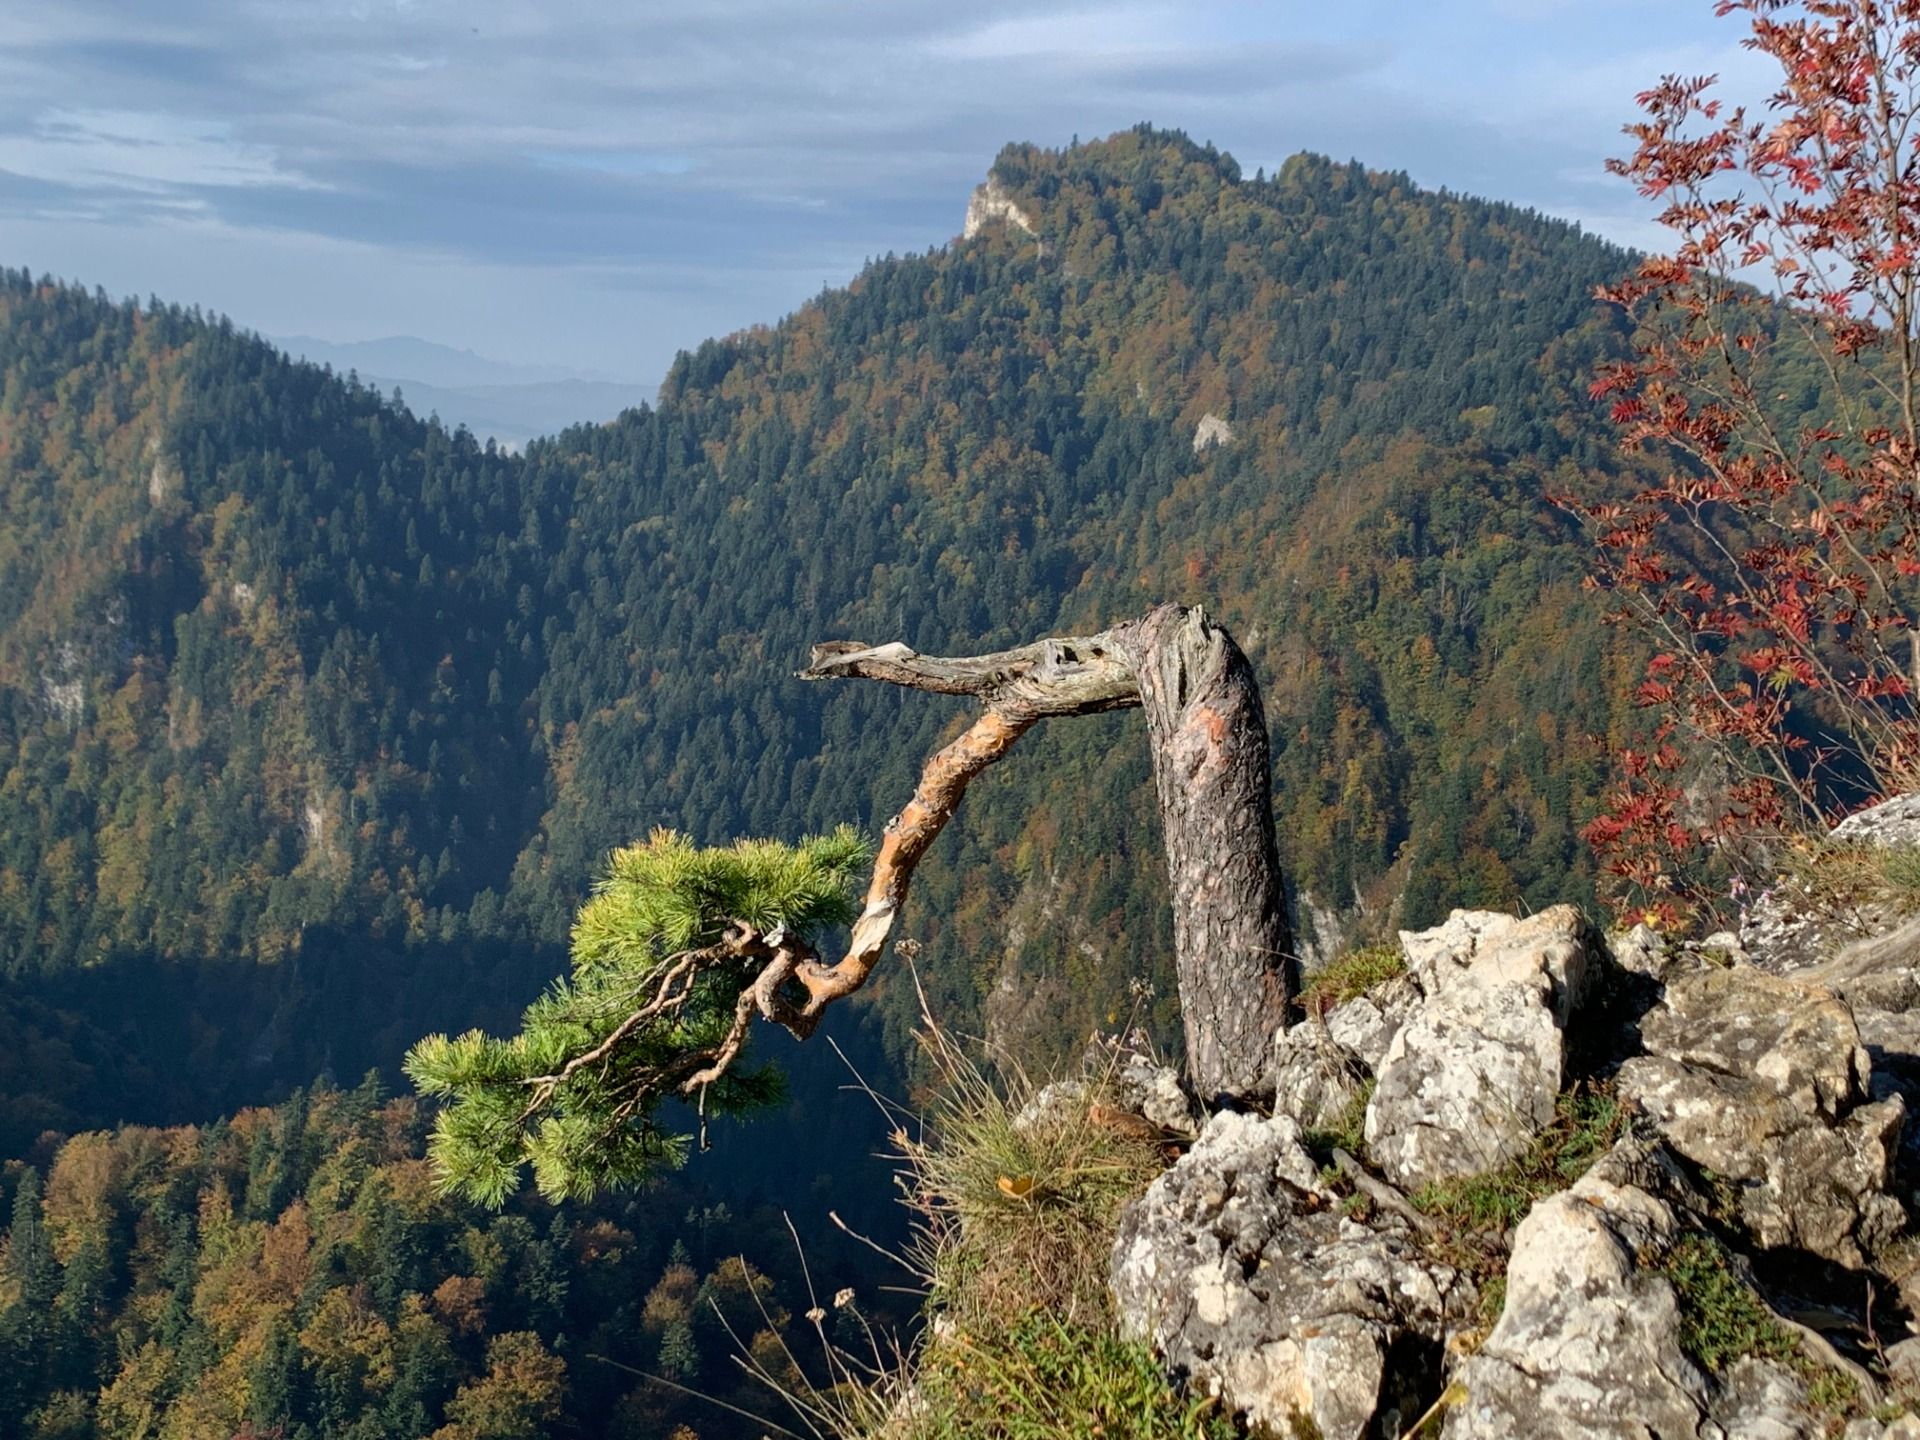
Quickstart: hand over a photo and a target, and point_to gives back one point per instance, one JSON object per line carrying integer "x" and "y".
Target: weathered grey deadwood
{"x": 1209, "y": 745}
{"x": 1208, "y": 738}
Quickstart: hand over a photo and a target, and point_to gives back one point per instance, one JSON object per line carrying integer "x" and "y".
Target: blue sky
{"x": 597, "y": 183}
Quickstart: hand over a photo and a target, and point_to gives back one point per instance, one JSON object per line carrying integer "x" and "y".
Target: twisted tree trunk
{"x": 1209, "y": 744}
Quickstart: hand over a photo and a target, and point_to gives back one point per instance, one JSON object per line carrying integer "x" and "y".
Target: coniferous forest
{"x": 317, "y": 720}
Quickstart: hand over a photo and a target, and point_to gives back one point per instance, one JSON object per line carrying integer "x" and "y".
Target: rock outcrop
{"x": 1589, "y": 1341}
{"x": 1473, "y": 1074}
{"x": 1760, "y": 1182}
{"x": 990, "y": 202}
{"x": 1244, "y": 1270}
{"x": 1123, "y": 1075}
{"x": 1211, "y": 431}
{"x": 1764, "y": 1083}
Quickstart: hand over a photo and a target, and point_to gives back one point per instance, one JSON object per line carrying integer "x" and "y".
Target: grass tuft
{"x": 1840, "y": 879}
{"x": 1044, "y": 1378}
{"x": 1016, "y": 1205}
{"x": 1351, "y": 976}
{"x": 1348, "y": 1132}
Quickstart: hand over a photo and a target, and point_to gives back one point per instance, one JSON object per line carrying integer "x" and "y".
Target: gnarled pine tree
{"x": 680, "y": 948}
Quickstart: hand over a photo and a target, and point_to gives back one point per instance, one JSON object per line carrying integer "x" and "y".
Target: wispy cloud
{"x": 145, "y": 153}
{"x": 752, "y": 149}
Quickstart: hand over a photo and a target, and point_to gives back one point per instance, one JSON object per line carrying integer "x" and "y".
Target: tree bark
{"x": 1207, "y": 733}
{"x": 1208, "y": 739}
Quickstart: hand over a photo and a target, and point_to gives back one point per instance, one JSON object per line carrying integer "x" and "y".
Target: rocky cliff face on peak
{"x": 1549, "y": 1183}
{"x": 990, "y": 202}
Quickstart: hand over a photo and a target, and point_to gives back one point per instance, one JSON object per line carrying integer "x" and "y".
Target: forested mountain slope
{"x": 287, "y": 674}
{"x": 292, "y": 1271}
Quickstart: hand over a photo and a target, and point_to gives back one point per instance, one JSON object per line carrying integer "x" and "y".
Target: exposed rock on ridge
{"x": 1241, "y": 1267}
{"x": 1757, "y": 1187}
{"x": 1765, "y": 1083}
{"x": 1472, "y": 1076}
{"x": 990, "y": 202}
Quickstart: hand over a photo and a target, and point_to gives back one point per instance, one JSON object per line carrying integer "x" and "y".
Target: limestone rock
{"x": 1903, "y": 1365}
{"x": 1147, "y": 1088}
{"x": 1786, "y": 930}
{"x": 1211, "y": 431}
{"x": 1314, "y": 1078}
{"x": 1121, "y": 1073}
{"x": 1588, "y": 1343}
{"x": 1367, "y": 1023}
{"x": 1890, "y": 823}
{"x": 988, "y": 203}
{"x": 1472, "y": 1076}
{"x": 1481, "y": 946}
{"x": 1240, "y": 1268}
{"x": 1642, "y": 951}
{"x": 1759, "y": 1400}
{"x": 1764, "y": 1082}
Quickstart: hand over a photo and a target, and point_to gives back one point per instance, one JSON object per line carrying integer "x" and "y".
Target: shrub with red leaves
{"x": 1775, "y": 381}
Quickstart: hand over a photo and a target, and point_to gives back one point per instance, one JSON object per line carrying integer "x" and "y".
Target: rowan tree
{"x": 1773, "y": 384}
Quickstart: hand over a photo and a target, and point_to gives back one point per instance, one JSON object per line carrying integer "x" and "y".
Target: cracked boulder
{"x": 1765, "y": 1083}
{"x": 1314, "y": 1078}
{"x": 1241, "y": 1268}
{"x": 1472, "y": 1074}
{"x": 1588, "y": 1343}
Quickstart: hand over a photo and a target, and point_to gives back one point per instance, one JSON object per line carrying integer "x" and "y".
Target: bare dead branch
{"x": 1070, "y": 675}
{"x": 942, "y": 782}
{"x": 1209, "y": 745}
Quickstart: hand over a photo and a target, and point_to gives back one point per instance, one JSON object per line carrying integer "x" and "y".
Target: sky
{"x": 596, "y": 184}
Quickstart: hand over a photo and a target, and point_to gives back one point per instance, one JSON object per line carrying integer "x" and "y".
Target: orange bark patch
{"x": 1212, "y": 721}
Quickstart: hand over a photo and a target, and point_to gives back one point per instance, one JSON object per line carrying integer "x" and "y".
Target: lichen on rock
{"x": 1242, "y": 1268}
{"x": 1473, "y": 1074}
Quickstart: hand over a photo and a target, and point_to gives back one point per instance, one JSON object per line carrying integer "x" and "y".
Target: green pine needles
{"x": 662, "y": 954}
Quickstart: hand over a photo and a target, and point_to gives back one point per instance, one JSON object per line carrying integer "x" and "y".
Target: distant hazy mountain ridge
{"x": 495, "y": 400}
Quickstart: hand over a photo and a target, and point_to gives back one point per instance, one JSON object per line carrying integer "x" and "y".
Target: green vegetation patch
{"x": 1045, "y": 1378}
{"x": 1351, "y": 976}
{"x": 1586, "y": 1123}
{"x": 1722, "y": 1321}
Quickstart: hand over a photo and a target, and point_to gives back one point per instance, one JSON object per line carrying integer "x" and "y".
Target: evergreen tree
{"x": 30, "y": 1263}
{"x": 596, "y": 1066}
{"x": 679, "y": 1354}
{"x": 34, "y": 1277}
